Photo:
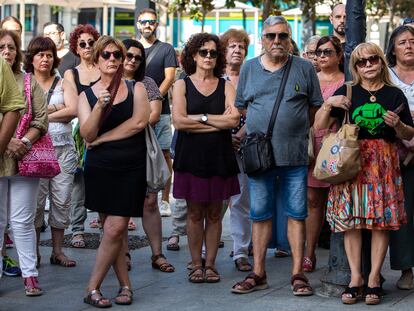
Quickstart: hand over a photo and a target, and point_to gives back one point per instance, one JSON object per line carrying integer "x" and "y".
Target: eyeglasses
{"x": 143, "y": 22}
{"x": 373, "y": 60}
{"x": 83, "y": 44}
{"x": 310, "y": 54}
{"x": 205, "y": 52}
{"x": 271, "y": 36}
{"x": 130, "y": 56}
{"x": 107, "y": 55}
{"x": 326, "y": 52}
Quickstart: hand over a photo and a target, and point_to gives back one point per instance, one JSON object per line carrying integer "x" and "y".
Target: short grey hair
{"x": 311, "y": 40}
{"x": 274, "y": 20}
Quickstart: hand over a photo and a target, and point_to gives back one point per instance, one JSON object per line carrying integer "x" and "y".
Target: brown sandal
{"x": 260, "y": 282}
{"x": 242, "y": 264}
{"x": 195, "y": 277}
{"x": 119, "y": 299}
{"x": 308, "y": 291}
{"x": 97, "y": 302}
{"x": 164, "y": 267}
{"x": 62, "y": 260}
{"x": 213, "y": 276}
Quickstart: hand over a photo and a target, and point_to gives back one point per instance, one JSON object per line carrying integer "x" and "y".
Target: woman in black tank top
{"x": 205, "y": 166}
{"x": 115, "y": 165}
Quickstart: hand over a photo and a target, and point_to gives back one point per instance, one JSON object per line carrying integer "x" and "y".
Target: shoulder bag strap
{"x": 279, "y": 97}
{"x": 28, "y": 93}
{"x": 153, "y": 52}
{"x": 349, "y": 96}
{"x": 52, "y": 88}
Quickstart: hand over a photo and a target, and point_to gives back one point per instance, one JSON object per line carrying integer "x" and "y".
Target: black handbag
{"x": 256, "y": 151}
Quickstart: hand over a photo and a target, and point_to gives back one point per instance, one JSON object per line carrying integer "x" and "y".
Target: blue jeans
{"x": 284, "y": 187}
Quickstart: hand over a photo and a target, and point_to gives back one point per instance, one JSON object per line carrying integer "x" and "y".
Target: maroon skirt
{"x": 203, "y": 190}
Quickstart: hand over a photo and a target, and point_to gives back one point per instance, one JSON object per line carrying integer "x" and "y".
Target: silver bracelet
{"x": 27, "y": 142}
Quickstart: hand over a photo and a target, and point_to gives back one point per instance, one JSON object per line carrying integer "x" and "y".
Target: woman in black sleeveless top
{"x": 115, "y": 168}
{"x": 76, "y": 80}
{"x": 205, "y": 166}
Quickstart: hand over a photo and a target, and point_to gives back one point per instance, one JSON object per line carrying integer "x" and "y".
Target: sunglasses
{"x": 205, "y": 52}
{"x": 143, "y": 22}
{"x": 408, "y": 20}
{"x": 326, "y": 52}
{"x": 271, "y": 36}
{"x": 107, "y": 55}
{"x": 362, "y": 62}
{"x": 83, "y": 44}
{"x": 138, "y": 58}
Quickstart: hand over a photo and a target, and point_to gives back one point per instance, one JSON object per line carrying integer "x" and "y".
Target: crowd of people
{"x": 97, "y": 100}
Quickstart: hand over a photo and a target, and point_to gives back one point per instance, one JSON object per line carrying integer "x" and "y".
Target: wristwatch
{"x": 204, "y": 118}
{"x": 27, "y": 142}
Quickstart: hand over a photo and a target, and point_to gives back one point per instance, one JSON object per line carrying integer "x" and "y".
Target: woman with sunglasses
{"x": 41, "y": 60}
{"x": 205, "y": 166}
{"x": 374, "y": 199}
{"x": 76, "y": 80}
{"x": 115, "y": 164}
{"x": 400, "y": 56}
{"x": 329, "y": 58}
{"x": 18, "y": 193}
{"x": 134, "y": 69}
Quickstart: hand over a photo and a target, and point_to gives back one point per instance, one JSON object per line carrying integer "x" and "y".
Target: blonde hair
{"x": 102, "y": 43}
{"x": 373, "y": 49}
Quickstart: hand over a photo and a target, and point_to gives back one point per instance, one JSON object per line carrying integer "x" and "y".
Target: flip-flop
{"x": 173, "y": 246}
{"x": 78, "y": 241}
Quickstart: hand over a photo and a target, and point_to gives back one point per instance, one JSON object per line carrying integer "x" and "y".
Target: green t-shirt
{"x": 11, "y": 98}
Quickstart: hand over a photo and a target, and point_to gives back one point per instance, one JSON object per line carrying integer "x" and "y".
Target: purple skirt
{"x": 202, "y": 190}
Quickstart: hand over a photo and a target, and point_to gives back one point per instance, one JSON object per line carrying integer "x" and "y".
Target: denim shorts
{"x": 286, "y": 184}
{"x": 163, "y": 131}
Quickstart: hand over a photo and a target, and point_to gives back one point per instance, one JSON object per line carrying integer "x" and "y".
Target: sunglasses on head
{"x": 107, "y": 55}
{"x": 138, "y": 58}
{"x": 326, "y": 52}
{"x": 143, "y": 22}
{"x": 205, "y": 52}
{"x": 408, "y": 20}
{"x": 83, "y": 44}
{"x": 271, "y": 36}
{"x": 373, "y": 60}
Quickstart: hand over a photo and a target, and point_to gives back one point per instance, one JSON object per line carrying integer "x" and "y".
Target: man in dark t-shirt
{"x": 161, "y": 65}
{"x": 56, "y": 32}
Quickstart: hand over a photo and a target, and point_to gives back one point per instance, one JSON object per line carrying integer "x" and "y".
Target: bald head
{"x": 337, "y": 19}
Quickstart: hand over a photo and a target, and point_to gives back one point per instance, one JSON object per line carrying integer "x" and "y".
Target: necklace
{"x": 373, "y": 98}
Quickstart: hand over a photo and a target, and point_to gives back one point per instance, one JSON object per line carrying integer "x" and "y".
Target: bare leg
{"x": 57, "y": 242}
{"x": 213, "y": 231}
{"x": 296, "y": 237}
{"x": 379, "y": 246}
{"x": 316, "y": 206}
{"x": 195, "y": 230}
{"x": 166, "y": 191}
{"x": 151, "y": 222}
{"x": 353, "y": 244}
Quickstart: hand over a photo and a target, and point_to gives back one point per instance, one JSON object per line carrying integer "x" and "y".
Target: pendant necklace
{"x": 373, "y": 98}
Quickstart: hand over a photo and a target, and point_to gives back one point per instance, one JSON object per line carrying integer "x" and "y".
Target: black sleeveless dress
{"x": 115, "y": 172}
{"x": 81, "y": 87}
{"x": 205, "y": 166}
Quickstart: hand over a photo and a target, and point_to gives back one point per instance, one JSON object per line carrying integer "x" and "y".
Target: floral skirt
{"x": 374, "y": 199}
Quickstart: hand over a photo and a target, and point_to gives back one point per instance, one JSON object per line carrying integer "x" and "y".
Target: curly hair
{"x": 337, "y": 46}
{"x": 75, "y": 34}
{"x": 191, "y": 48}
{"x": 237, "y": 35}
{"x": 36, "y": 45}
{"x": 140, "y": 72}
{"x": 16, "y": 67}
{"x": 391, "y": 58}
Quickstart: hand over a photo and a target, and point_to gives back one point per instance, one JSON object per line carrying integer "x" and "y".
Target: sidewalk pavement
{"x": 64, "y": 288}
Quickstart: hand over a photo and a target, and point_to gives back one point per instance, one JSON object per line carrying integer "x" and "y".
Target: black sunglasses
{"x": 271, "y": 36}
{"x": 143, "y": 22}
{"x": 83, "y": 44}
{"x": 205, "y": 52}
{"x": 373, "y": 60}
{"x": 138, "y": 58}
{"x": 326, "y": 52}
{"x": 107, "y": 55}
{"x": 408, "y": 20}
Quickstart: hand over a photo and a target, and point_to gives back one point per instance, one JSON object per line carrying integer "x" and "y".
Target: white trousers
{"x": 240, "y": 223}
{"x": 18, "y": 197}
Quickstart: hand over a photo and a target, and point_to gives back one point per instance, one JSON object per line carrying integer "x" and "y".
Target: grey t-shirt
{"x": 257, "y": 90}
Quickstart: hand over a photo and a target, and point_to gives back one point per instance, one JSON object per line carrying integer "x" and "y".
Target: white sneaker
{"x": 165, "y": 209}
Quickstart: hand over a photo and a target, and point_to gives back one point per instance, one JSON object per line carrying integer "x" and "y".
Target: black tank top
{"x": 81, "y": 87}
{"x": 205, "y": 154}
{"x": 120, "y": 155}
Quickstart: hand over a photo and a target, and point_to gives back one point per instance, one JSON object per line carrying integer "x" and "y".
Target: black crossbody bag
{"x": 256, "y": 150}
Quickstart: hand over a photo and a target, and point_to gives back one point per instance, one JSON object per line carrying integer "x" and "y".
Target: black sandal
{"x": 120, "y": 295}
{"x": 97, "y": 302}
{"x": 373, "y": 291}
{"x": 355, "y": 292}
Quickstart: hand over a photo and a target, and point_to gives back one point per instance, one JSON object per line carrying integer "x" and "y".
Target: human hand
{"x": 104, "y": 98}
{"x": 391, "y": 119}
{"x": 339, "y": 101}
{"x": 16, "y": 149}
